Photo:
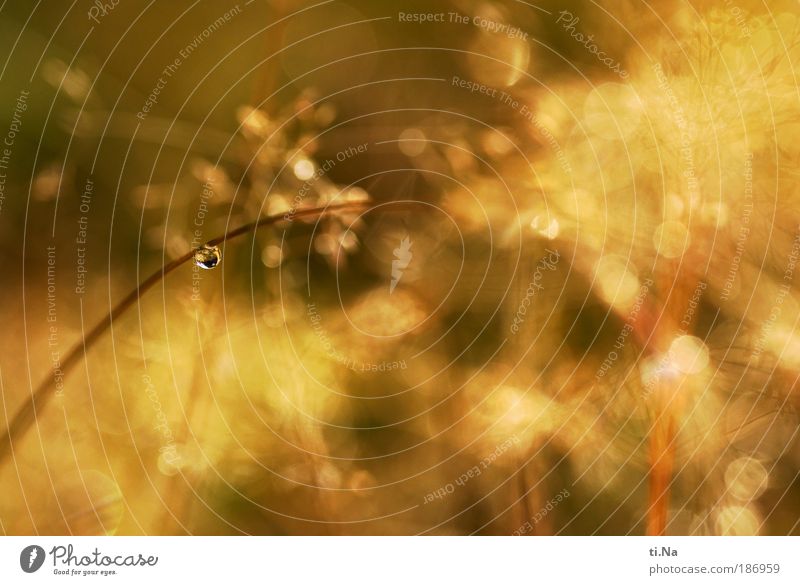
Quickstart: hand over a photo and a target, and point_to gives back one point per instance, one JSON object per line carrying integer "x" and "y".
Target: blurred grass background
{"x": 229, "y": 414}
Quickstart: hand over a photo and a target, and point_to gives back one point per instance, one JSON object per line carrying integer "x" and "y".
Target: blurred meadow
{"x": 549, "y": 288}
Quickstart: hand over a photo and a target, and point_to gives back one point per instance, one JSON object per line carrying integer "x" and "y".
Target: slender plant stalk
{"x": 668, "y": 404}
{"x": 273, "y": 39}
{"x": 28, "y": 412}
{"x": 662, "y": 462}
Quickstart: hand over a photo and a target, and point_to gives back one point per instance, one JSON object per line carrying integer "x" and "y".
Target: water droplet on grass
{"x": 208, "y": 257}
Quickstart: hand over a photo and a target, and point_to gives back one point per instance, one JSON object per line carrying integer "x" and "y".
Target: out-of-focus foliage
{"x": 568, "y": 308}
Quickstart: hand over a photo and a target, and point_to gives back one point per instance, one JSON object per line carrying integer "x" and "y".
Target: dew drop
{"x": 207, "y": 257}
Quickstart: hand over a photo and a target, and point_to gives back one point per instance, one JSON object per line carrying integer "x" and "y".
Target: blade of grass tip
{"x": 28, "y": 412}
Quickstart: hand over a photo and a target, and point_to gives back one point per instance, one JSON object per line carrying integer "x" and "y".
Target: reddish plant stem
{"x": 662, "y": 461}
{"x": 668, "y": 404}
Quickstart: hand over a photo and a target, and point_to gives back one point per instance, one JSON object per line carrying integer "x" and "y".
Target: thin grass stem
{"x": 28, "y": 413}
